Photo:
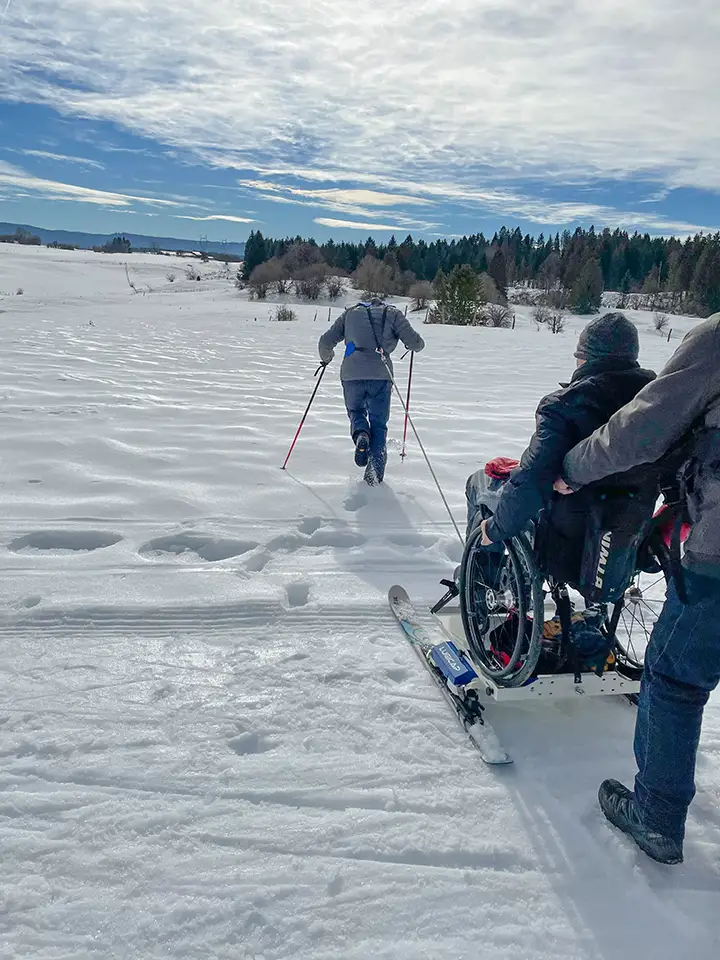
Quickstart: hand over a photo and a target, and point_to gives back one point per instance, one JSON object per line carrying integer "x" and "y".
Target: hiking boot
{"x": 362, "y": 449}
{"x": 372, "y": 476}
{"x": 618, "y": 805}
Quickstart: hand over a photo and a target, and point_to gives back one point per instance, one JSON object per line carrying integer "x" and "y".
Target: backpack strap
{"x": 378, "y": 341}
{"x": 676, "y": 568}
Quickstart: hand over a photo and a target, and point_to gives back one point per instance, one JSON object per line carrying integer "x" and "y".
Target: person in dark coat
{"x": 368, "y": 329}
{"x": 608, "y": 376}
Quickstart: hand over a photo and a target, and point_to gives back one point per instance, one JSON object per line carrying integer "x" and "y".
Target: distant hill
{"x": 88, "y": 240}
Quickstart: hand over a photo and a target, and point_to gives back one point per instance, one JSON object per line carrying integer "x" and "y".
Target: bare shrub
{"x": 373, "y": 277}
{"x": 192, "y": 273}
{"x": 310, "y": 280}
{"x": 490, "y": 290}
{"x": 496, "y": 315}
{"x": 131, "y": 283}
{"x": 660, "y": 322}
{"x": 261, "y": 279}
{"x": 523, "y": 296}
{"x": 19, "y": 292}
{"x": 275, "y": 272}
{"x": 421, "y": 293}
{"x": 170, "y": 277}
{"x": 541, "y": 314}
{"x": 284, "y": 314}
{"x": 335, "y": 287}
{"x": 403, "y": 280}
{"x": 557, "y": 321}
{"x": 557, "y": 299}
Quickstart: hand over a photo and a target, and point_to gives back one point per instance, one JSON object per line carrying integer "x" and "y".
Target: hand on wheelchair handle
{"x": 485, "y": 541}
{"x": 561, "y": 487}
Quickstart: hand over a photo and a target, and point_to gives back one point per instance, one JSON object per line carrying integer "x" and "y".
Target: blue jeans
{"x": 368, "y": 407}
{"x": 682, "y": 667}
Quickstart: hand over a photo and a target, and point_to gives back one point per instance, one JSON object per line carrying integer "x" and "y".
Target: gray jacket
{"x": 685, "y": 394}
{"x": 354, "y": 327}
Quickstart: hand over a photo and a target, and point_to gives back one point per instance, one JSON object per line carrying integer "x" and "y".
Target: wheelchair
{"x": 519, "y": 608}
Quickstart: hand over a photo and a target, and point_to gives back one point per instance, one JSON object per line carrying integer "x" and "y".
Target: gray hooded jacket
{"x": 366, "y": 330}
{"x": 685, "y": 395}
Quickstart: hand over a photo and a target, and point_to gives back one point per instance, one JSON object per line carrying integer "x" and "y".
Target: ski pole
{"x": 422, "y": 448}
{"x": 407, "y": 407}
{"x": 321, "y": 371}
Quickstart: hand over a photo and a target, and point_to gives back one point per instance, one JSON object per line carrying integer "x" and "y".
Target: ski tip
{"x": 398, "y": 594}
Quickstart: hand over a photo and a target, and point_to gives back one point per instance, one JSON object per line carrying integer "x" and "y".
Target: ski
{"x": 448, "y": 667}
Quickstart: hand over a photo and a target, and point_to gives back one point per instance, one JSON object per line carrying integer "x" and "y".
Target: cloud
{"x": 217, "y": 216}
{"x": 18, "y": 180}
{"x": 342, "y": 201}
{"x": 354, "y": 225}
{"x": 523, "y": 88}
{"x": 501, "y": 201}
{"x": 463, "y": 102}
{"x": 336, "y": 196}
{"x": 62, "y": 158}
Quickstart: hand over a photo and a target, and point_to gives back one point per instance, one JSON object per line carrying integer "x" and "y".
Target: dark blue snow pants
{"x": 682, "y": 667}
{"x": 368, "y": 407}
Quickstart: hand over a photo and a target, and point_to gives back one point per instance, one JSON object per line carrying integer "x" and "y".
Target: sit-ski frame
{"x": 557, "y": 685}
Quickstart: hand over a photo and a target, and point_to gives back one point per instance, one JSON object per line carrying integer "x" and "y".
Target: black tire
{"x": 633, "y": 617}
{"x": 515, "y": 595}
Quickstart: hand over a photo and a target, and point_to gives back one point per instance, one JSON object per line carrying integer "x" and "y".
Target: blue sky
{"x": 345, "y": 118}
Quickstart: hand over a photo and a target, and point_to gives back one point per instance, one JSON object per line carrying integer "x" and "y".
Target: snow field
{"x": 214, "y": 742}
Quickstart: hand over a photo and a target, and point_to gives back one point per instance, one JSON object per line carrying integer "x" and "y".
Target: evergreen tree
{"x": 705, "y": 286}
{"x": 498, "y": 271}
{"x": 255, "y": 254}
{"x": 625, "y": 261}
{"x": 116, "y": 245}
{"x": 459, "y": 296}
{"x": 586, "y": 292}
{"x": 625, "y": 287}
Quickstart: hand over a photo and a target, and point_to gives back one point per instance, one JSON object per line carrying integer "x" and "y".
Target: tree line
{"x": 679, "y": 276}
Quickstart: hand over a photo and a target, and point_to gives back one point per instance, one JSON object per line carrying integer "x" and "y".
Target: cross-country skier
{"x": 682, "y": 661}
{"x": 371, "y": 332}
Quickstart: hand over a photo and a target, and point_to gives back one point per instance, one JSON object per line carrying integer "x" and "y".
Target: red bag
{"x": 666, "y": 527}
{"x": 500, "y": 468}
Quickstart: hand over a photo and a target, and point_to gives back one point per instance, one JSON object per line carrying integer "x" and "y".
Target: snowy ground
{"x": 214, "y": 742}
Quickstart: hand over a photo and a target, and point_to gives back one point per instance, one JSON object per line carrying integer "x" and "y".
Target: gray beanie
{"x": 610, "y": 337}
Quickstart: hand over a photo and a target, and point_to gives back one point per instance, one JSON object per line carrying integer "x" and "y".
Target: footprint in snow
{"x": 27, "y": 603}
{"x": 355, "y": 501}
{"x": 423, "y": 540}
{"x": 298, "y": 594}
{"x": 344, "y": 539}
{"x": 308, "y": 525}
{"x": 68, "y": 540}
{"x": 258, "y": 562}
{"x": 249, "y": 743}
{"x": 398, "y": 675}
{"x": 208, "y": 548}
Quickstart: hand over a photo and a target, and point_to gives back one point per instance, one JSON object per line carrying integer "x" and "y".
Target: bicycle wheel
{"x": 502, "y": 607}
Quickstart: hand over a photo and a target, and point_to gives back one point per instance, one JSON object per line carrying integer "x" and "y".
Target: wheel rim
{"x": 638, "y": 611}
{"x": 488, "y": 606}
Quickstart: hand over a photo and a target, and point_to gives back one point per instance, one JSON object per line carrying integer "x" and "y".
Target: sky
{"x": 349, "y": 118}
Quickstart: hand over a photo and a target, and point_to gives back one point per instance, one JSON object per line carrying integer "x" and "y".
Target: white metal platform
{"x": 554, "y": 686}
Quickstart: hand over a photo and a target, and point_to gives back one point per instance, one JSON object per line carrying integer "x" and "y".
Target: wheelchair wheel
{"x": 633, "y": 617}
{"x": 502, "y": 608}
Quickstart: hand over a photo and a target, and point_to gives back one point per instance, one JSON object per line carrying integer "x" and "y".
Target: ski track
{"x": 214, "y": 741}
